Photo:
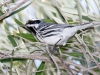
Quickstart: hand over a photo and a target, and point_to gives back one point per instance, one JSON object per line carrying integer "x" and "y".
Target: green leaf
{"x": 48, "y": 20}
{"x": 14, "y": 59}
{"x": 13, "y": 1}
{"x": 28, "y": 36}
{"x": 41, "y": 67}
{"x": 1, "y": 13}
{"x": 75, "y": 54}
{"x": 86, "y": 18}
{"x": 12, "y": 40}
{"x": 81, "y": 60}
{"x": 88, "y": 39}
{"x": 18, "y": 22}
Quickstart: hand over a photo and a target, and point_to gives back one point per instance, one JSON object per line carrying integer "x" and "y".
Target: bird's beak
{"x": 25, "y": 27}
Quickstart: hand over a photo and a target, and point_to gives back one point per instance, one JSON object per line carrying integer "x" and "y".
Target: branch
{"x": 13, "y": 9}
{"x": 44, "y": 58}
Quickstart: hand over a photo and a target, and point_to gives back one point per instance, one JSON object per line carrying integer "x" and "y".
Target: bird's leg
{"x": 56, "y": 49}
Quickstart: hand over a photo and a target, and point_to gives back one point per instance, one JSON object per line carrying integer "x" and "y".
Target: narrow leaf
{"x": 75, "y": 54}
{"x": 28, "y": 36}
{"x": 12, "y": 40}
{"x": 41, "y": 67}
{"x": 18, "y": 22}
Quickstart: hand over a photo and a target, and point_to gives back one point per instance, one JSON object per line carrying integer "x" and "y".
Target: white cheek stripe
{"x": 29, "y": 25}
{"x": 36, "y": 25}
{"x": 33, "y": 25}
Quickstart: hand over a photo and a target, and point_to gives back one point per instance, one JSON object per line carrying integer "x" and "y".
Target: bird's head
{"x": 33, "y": 23}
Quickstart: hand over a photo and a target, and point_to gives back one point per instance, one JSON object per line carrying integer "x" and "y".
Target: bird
{"x": 52, "y": 33}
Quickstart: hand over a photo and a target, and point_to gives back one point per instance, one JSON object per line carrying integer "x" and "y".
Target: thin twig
{"x": 6, "y": 2}
{"x": 79, "y": 11}
{"x": 11, "y": 62}
{"x": 82, "y": 49}
{"x": 65, "y": 65}
{"x": 7, "y": 5}
{"x": 48, "y": 51}
{"x": 87, "y": 50}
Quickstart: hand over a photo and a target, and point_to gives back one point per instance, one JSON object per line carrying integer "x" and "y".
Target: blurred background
{"x": 22, "y": 54}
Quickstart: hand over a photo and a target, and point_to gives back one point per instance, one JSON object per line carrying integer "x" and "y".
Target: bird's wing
{"x": 46, "y": 26}
{"x": 53, "y": 26}
{"x": 52, "y": 29}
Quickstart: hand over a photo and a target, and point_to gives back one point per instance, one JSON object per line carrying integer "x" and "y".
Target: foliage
{"x": 18, "y": 46}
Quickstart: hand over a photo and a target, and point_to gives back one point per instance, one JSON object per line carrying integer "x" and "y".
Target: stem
{"x": 11, "y": 64}
{"x": 79, "y": 11}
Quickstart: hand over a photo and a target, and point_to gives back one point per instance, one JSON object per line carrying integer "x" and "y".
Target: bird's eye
{"x": 30, "y": 22}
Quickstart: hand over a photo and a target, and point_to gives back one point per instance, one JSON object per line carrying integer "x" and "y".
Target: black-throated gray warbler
{"x": 53, "y": 33}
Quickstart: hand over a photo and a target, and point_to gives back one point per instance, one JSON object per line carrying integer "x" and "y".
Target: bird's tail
{"x": 84, "y": 26}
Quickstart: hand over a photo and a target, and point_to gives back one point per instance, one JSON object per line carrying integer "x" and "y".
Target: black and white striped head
{"x": 33, "y": 23}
